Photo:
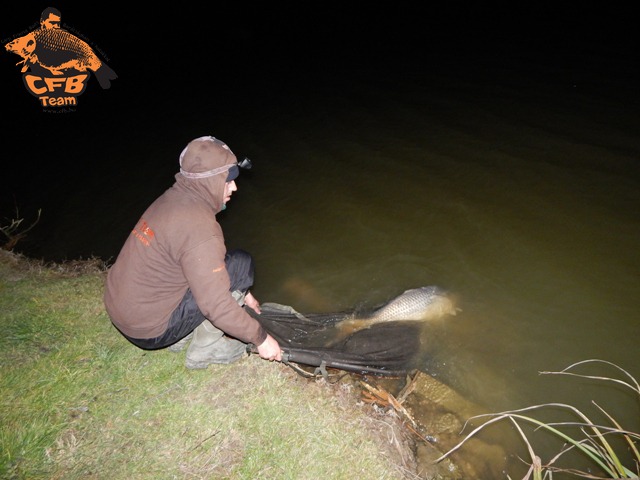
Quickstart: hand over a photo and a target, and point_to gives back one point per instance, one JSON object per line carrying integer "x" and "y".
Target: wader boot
{"x": 238, "y": 296}
{"x": 180, "y": 344}
{"x": 209, "y": 345}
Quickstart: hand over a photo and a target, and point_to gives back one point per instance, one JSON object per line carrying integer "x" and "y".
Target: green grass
{"x": 78, "y": 401}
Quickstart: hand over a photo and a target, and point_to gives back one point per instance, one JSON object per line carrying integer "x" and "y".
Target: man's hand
{"x": 251, "y": 302}
{"x": 270, "y": 349}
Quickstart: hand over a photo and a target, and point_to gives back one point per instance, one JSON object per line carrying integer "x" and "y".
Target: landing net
{"x": 316, "y": 339}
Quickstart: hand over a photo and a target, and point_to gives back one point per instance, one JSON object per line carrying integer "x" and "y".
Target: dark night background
{"x": 240, "y": 63}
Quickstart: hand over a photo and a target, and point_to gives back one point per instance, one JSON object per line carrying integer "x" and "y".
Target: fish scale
{"x": 414, "y": 304}
{"x": 424, "y": 303}
{"x": 52, "y": 44}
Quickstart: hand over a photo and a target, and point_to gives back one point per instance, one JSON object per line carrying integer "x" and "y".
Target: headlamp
{"x": 245, "y": 163}
{"x": 234, "y": 169}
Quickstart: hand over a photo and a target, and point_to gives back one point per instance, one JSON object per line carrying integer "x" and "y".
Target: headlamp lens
{"x": 245, "y": 163}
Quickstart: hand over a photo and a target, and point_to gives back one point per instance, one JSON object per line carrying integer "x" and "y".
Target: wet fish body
{"x": 417, "y": 304}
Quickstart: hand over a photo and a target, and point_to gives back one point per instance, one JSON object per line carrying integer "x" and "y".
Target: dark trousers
{"x": 187, "y": 316}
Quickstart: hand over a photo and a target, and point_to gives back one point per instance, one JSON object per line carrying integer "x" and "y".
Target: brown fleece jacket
{"x": 177, "y": 244}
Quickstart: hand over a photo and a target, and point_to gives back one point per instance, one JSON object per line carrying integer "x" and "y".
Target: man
{"x": 174, "y": 276}
{"x": 50, "y": 18}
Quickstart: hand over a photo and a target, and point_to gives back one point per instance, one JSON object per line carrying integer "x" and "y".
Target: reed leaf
{"x": 595, "y": 444}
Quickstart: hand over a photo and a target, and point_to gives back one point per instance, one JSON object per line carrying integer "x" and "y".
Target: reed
{"x": 594, "y": 440}
{"x": 14, "y": 230}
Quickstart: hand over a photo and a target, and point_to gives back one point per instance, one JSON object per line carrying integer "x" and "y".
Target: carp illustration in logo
{"x": 51, "y": 50}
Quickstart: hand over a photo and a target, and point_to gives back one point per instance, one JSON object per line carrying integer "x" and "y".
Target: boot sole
{"x": 192, "y": 365}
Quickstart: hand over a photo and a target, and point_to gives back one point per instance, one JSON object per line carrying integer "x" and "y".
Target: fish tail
{"x": 104, "y": 75}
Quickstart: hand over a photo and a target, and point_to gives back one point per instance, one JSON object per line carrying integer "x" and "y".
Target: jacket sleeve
{"x": 208, "y": 279}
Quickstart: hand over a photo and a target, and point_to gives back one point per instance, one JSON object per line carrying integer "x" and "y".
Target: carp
{"x": 417, "y": 304}
{"x": 57, "y": 50}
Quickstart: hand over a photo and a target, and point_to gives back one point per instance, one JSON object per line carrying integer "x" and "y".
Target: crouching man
{"x": 174, "y": 281}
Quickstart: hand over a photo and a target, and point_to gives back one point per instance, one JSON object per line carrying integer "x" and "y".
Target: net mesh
{"x": 317, "y": 339}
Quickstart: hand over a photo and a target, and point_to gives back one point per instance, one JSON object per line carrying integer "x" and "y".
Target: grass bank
{"x": 79, "y": 401}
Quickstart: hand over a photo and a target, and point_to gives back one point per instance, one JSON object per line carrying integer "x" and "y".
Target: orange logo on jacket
{"x": 57, "y": 64}
{"x": 143, "y": 233}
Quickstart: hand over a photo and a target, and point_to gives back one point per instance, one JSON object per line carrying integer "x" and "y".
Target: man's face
{"x": 53, "y": 21}
{"x": 229, "y": 188}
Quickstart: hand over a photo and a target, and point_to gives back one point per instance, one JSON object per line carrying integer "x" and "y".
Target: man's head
{"x": 207, "y": 157}
{"x": 50, "y": 18}
{"x": 209, "y": 167}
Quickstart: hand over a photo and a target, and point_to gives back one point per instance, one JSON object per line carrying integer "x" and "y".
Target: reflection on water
{"x": 527, "y": 210}
{"x": 520, "y": 197}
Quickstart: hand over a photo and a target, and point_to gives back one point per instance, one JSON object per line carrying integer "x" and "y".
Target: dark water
{"x": 509, "y": 175}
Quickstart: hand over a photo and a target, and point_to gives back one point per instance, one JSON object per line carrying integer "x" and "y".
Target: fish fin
{"x": 104, "y": 75}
